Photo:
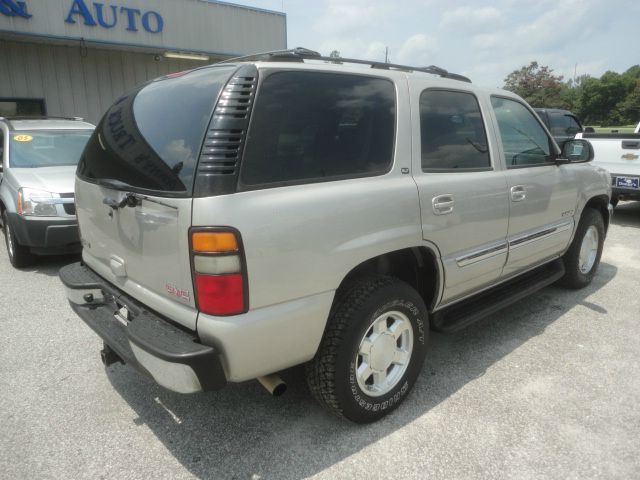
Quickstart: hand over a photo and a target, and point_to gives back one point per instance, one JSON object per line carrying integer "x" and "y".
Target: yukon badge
{"x": 177, "y": 292}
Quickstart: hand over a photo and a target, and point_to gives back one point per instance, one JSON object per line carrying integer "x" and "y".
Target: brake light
{"x": 219, "y": 275}
{"x": 220, "y": 294}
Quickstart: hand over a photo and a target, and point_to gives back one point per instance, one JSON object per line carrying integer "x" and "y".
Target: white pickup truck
{"x": 619, "y": 153}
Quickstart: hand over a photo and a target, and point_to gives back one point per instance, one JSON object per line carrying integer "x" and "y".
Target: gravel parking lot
{"x": 547, "y": 388}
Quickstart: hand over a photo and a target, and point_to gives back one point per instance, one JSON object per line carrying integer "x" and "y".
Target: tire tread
{"x": 573, "y": 278}
{"x": 321, "y": 370}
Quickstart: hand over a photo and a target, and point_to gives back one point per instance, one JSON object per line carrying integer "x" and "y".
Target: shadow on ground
{"x": 44, "y": 264}
{"x": 50, "y": 264}
{"x": 627, "y": 214}
{"x": 240, "y": 431}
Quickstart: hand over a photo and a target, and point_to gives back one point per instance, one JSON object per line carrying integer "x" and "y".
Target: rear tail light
{"x": 219, "y": 274}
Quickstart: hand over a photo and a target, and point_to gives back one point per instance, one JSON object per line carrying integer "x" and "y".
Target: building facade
{"x": 75, "y": 57}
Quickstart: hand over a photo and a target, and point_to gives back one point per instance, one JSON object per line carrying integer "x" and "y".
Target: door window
{"x": 452, "y": 132}
{"x": 524, "y": 141}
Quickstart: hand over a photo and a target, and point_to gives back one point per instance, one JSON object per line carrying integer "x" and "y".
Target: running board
{"x": 460, "y": 315}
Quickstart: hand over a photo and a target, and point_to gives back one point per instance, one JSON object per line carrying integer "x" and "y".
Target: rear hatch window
{"x": 150, "y": 139}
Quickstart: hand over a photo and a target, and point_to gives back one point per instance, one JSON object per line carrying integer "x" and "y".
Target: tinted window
{"x": 53, "y": 148}
{"x": 452, "y": 132}
{"x": 523, "y": 139}
{"x": 558, "y": 125}
{"x": 564, "y": 125}
{"x": 573, "y": 125}
{"x": 23, "y": 107}
{"x": 151, "y": 137}
{"x": 310, "y": 126}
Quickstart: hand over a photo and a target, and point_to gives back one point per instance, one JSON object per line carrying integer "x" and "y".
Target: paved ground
{"x": 547, "y": 388}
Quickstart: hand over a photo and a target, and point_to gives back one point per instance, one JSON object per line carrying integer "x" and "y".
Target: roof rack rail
{"x": 42, "y": 117}
{"x": 300, "y": 54}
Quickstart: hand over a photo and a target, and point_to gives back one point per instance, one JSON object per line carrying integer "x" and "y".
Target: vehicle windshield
{"x": 47, "y": 148}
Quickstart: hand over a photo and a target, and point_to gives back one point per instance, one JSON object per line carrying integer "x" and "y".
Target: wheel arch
{"x": 418, "y": 266}
{"x": 599, "y": 203}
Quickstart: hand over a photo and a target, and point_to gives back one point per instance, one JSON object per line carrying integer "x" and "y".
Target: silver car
{"x": 288, "y": 208}
{"x": 39, "y": 159}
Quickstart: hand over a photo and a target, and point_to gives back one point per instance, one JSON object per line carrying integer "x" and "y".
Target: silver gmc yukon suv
{"x": 287, "y": 209}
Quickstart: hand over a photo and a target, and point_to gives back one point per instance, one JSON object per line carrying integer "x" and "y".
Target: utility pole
{"x": 386, "y": 54}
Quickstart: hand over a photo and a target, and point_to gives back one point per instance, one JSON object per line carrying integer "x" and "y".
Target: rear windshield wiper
{"x": 130, "y": 199}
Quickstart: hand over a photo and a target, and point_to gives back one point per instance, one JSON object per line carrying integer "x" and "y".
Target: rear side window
{"x": 452, "y": 133}
{"x": 311, "y": 127}
{"x": 150, "y": 139}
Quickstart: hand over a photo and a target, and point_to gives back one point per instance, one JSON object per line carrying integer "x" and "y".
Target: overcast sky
{"x": 481, "y": 39}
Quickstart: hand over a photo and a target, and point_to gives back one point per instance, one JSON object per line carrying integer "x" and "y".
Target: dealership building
{"x": 73, "y": 58}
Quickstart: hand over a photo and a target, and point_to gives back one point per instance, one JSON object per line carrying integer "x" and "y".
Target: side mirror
{"x": 577, "y": 150}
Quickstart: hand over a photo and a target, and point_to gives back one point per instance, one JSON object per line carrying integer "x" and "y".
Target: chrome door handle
{"x": 518, "y": 193}
{"x": 442, "y": 204}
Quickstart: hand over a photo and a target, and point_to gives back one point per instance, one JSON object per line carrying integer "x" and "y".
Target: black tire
{"x": 573, "y": 277}
{"x": 19, "y": 255}
{"x": 331, "y": 375}
{"x": 614, "y": 201}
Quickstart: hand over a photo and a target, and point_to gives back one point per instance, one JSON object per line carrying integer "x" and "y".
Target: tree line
{"x": 611, "y": 100}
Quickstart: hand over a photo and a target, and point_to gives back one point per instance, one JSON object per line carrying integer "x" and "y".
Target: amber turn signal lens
{"x": 214, "y": 242}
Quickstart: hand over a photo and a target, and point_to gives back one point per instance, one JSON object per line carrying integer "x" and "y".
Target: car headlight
{"x": 37, "y": 203}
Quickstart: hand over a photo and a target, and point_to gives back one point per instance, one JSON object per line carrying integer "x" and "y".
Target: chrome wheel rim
{"x": 588, "y": 250}
{"x": 384, "y": 353}
{"x": 7, "y": 232}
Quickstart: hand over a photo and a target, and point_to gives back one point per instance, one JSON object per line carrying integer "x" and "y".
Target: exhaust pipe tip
{"x": 273, "y": 384}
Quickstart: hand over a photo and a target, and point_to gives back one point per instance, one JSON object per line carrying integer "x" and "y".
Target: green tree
{"x": 602, "y": 99}
{"x": 572, "y": 90}
{"x": 629, "y": 108}
{"x": 538, "y": 86}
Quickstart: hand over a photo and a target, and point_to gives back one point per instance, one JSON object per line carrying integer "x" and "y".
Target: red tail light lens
{"x": 220, "y": 294}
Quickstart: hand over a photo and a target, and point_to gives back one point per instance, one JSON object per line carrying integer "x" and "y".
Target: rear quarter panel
{"x": 303, "y": 240}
